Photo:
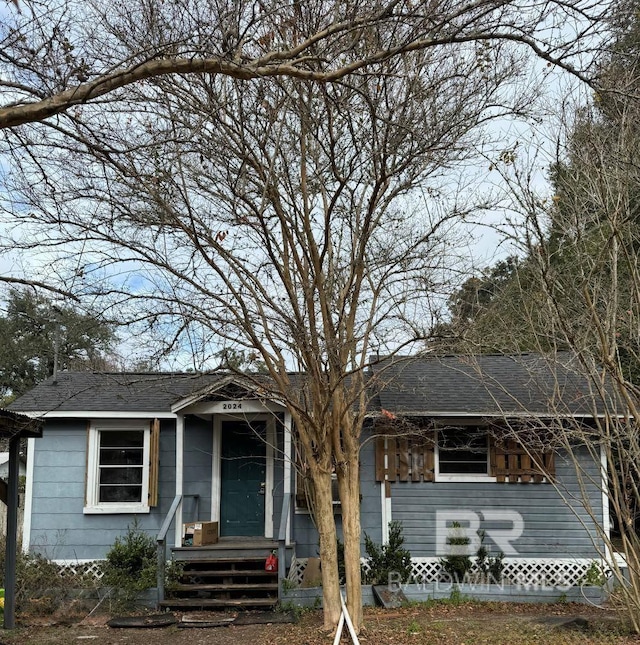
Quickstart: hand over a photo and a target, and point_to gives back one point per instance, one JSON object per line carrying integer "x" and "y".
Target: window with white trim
{"x": 118, "y": 467}
{"x": 462, "y": 453}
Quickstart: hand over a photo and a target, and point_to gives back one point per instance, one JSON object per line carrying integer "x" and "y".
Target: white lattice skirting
{"x": 80, "y": 568}
{"x": 521, "y": 571}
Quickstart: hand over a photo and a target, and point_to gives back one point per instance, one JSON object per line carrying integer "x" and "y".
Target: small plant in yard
{"x": 388, "y": 562}
{"x": 457, "y": 565}
{"x": 288, "y": 585}
{"x": 414, "y": 627}
{"x": 594, "y": 576}
{"x": 456, "y": 597}
{"x": 490, "y": 568}
{"x": 40, "y": 587}
{"x": 131, "y": 565}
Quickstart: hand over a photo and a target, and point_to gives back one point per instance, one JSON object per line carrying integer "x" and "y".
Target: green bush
{"x": 456, "y": 566}
{"x": 489, "y": 567}
{"x": 131, "y": 564}
{"x": 388, "y": 559}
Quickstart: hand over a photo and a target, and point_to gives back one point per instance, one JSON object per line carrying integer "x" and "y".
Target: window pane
{"x": 121, "y": 456}
{"x": 120, "y": 493}
{"x": 121, "y": 438}
{"x": 121, "y": 466}
{"x": 463, "y": 451}
{"x": 120, "y": 476}
{"x": 463, "y": 467}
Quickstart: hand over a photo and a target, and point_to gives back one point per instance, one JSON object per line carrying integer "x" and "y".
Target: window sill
{"x": 113, "y": 509}
{"x": 473, "y": 479}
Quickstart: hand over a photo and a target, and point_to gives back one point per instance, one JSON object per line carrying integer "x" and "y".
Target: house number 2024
{"x": 232, "y": 406}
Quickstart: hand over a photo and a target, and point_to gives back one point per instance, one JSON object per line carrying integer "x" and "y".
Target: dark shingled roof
{"x": 124, "y": 392}
{"x": 483, "y": 385}
{"x": 447, "y": 386}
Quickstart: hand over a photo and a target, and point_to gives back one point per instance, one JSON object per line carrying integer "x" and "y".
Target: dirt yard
{"x": 466, "y": 624}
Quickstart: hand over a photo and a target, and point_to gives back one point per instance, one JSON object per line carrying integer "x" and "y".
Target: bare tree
{"x": 577, "y": 289}
{"x": 304, "y": 223}
{"x": 58, "y": 56}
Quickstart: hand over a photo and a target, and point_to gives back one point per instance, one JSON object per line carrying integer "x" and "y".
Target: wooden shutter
{"x": 404, "y": 459}
{"x": 154, "y": 461}
{"x": 511, "y": 462}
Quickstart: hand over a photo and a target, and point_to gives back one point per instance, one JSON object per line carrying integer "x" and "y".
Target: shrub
{"x": 456, "y": 566}
{"x": 131, "y": 564}
{"x": 489, "y": 567}
{"x": 388, "y": 561}
{"x": 40, "y": 587}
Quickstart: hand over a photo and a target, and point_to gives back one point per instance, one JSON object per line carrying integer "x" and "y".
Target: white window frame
{"x": 92, "y": 503}
{"x": 460, "y": 477}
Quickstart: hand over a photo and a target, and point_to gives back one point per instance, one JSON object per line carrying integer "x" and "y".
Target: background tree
{"x": 39, "y": 335}
{"x": 577, "y": 288}
{"x": 295, "y": 221}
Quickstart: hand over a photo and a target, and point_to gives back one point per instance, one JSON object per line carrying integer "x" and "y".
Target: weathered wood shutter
{"x": 154, "y": 461}
{"x": 511, "y": 462}
{"x": 404, "y": 459}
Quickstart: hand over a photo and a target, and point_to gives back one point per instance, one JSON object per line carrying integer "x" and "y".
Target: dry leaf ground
{"x": 441, "y": 624}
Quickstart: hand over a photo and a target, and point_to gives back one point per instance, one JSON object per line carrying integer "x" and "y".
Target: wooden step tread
{"x": 267, "y": 586}
{"x": 230, "y": 560}
{"x": 222, "y": 573}
{"x": 219, "y": 602}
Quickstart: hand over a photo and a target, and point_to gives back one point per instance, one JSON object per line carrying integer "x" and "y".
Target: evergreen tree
{"x": 39, "y": 335}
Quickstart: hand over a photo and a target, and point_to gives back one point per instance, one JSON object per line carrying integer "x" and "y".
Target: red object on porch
{"x": 271, "y": 563}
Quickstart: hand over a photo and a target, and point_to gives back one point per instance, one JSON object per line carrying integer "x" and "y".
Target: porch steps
{"x": 219, "y": 580}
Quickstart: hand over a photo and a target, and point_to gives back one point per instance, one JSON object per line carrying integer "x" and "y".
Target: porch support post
{"x": 288, "y": 449}
{"x": 28, "y": 495}
{"x": 12, "y": 533}
{"x": 179, "y": 476}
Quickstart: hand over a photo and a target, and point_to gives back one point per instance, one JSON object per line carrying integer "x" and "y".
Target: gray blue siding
{"x": 552, "y": 528}
{"x": 59, "y": 529}
{"x": 198, "y": 447}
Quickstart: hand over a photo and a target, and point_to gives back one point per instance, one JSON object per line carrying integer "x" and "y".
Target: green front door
{"x": 242, "y": 473}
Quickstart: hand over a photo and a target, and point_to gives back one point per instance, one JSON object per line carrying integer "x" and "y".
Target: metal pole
{"x": 12, "y": 534}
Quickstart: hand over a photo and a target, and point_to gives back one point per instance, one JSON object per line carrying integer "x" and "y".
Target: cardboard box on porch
{"x": 199, "y": 533}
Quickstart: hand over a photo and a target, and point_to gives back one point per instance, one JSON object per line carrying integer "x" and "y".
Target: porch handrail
{"x": 282, "y": 540}
{"x": 161, "y": 541}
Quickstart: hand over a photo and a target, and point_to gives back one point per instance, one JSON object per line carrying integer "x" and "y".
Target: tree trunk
{"x": 349, "y": 485}
{"x": 328, "y": 536}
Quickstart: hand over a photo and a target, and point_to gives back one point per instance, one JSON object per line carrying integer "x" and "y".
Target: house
{"x": 168, "y": 448}
{"x": 4, "y": 466}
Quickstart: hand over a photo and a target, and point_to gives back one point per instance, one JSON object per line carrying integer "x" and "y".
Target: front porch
{"x": 230, "y": 573}
{"x": 233, "y": 467}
